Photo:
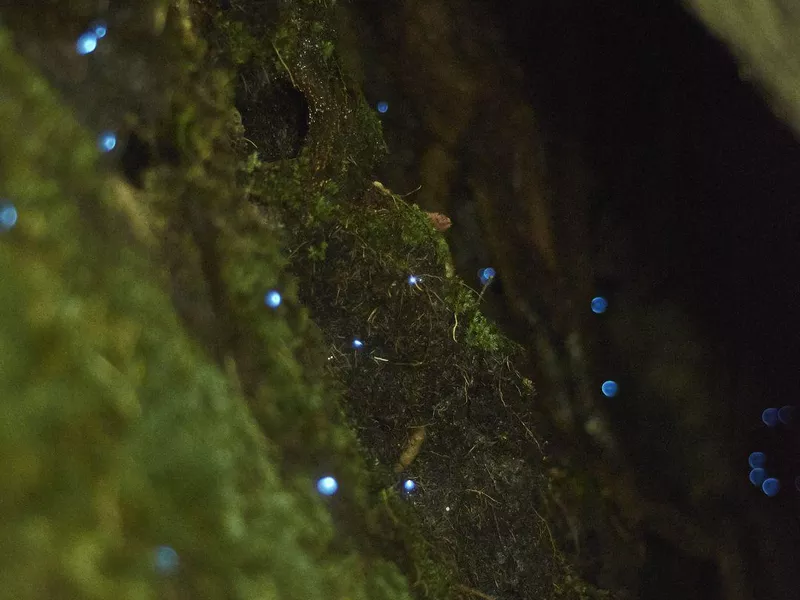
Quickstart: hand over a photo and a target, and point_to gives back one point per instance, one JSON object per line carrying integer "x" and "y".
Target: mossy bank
{"x": 152, "y": 399}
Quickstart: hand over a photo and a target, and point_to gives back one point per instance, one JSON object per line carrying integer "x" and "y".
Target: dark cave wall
{"x": 689, "y": 191}
{"x": 700, "y": 177}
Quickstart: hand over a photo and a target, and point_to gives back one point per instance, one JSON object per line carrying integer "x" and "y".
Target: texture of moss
{"x": 150, "y": 396}
{"x": 118, "y": 432}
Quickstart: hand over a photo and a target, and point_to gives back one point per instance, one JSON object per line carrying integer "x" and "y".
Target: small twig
{"x": 483, "y": 494}
{"x": 547, "y": 527}
{"x": 419, "y": 187}
{"x": 410, "y": 452}
{"x": 530, "y": 433}
{"x": 472, "y": 592}
{"x": 293, "y": 252}
{"x": 285, "y": 66}
{"x": 371, "y": 316}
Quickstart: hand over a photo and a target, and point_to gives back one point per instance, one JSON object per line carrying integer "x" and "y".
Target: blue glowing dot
{"x": 107, "y": 141}
{"x": 757, "y": 460}
{"x": 8, "y": 216}
{"x": 327, "y": 486}
{"x": 87, "y": 43}
{"x": 786, "y": 415}
{"x": 609, "y": 388}
{"x": 357, "y": 343}
{"x": 272, "y": 299}
{"x": 100, "y": 29}
{"x": 757, "y": 476}
{"x": 409, "y": 485}
{"x": 771, "y": 486}
{"x": 770, "y": 417}
{"x": 383, "y": 106}
{"x": 599, "y": 305}
{"x": 166, "y": 560}
{"x": 486, "y": 275}
{"x": 413, "y": 280}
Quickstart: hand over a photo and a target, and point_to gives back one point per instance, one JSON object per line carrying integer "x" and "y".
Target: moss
{"x": 124, "y": 434}
{"x": 154, "y": 398}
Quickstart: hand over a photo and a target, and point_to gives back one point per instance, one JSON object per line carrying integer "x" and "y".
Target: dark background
{"x": 689, "y": 157}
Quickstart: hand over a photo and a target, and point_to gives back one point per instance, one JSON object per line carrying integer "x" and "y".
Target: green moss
{"x": 240, "y": 45}
{"x": 482, "y": 334}
{"x": 122, "y": 434}
{"x": 152, "y": 397}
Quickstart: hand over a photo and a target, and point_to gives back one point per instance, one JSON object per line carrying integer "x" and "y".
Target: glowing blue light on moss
{"x": 599, "y": 305}
{"x": 757, "y": 460}
{"x": 409, "y": 485}
{"x": 770, "y": 417}
{"x": 166, "y": 560}
{"x": 107, "y": 141}
{"x": 100, "y": 29}
{"x": 771, "y": 486}
{"x": 273, "y": 299}
{"x": 786, "y": 415}
{"x": 383, "y": 106}
{"x": 327, "y": 486}
{"x": 8, "y": 216}
{"x": 413, "y": 280}
{"x": 486, "y": 275}
{"x": 357, "y": 343}
{"x": 757, "y": 476}
{"x": 87, "y": 43}
{"x": 609, "y": 388}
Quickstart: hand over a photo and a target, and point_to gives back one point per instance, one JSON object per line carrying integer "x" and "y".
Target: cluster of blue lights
{"x": 327, "y": 486}
{"x": 273, "y": 299}
{"x": 87, "y": 42}
{"x": 166, "y": 560}
{"x": 758, "y": 474}
{"x": 771, "y": 417}
{"x": 8, "y": 216}
{"x": 609, "y": 388}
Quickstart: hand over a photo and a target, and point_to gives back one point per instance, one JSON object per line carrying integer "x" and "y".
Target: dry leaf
{"x": 440, "y": 222}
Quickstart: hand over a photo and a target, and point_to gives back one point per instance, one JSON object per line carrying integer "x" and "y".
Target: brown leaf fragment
{"x": 413, "y": 446}
{"x": 440, "y": 222}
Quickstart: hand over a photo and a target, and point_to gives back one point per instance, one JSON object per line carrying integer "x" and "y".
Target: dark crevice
{"x": 274, "y": 114}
